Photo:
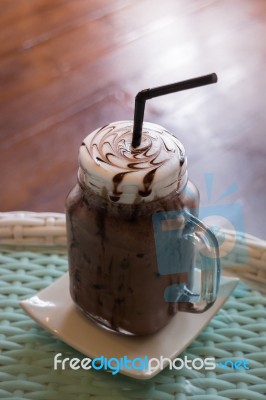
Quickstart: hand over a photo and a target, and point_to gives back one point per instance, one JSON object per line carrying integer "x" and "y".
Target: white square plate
{"x": 55, "y": 311}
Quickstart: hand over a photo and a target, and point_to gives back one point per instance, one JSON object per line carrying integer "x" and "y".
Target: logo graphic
{"x": 187, "y": 246}
{"x": 224, "y": 217}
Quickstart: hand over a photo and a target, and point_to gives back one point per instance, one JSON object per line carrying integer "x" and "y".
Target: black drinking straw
{"x": 146, "y": 94}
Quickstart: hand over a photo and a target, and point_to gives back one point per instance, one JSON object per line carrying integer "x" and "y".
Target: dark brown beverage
{"x": 114, "y": 276}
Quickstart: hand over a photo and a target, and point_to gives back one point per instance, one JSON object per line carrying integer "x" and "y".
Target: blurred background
{"x": 68, "y": 67}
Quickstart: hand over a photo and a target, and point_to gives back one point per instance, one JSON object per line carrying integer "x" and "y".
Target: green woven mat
{"x": 27, "y": 350}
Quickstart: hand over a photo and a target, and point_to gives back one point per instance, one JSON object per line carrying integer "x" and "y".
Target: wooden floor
{"x": 68, "y": 67}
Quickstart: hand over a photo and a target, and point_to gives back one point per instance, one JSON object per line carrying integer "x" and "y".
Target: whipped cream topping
{"x": 110, "y": 166}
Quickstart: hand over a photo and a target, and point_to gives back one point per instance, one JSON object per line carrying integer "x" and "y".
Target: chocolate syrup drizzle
{"x": 111, "y": 145}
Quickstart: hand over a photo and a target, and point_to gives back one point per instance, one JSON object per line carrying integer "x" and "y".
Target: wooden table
{"x": 68, "y": 67}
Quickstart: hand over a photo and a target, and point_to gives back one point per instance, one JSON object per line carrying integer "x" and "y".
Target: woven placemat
{"x": 27, "y": 350}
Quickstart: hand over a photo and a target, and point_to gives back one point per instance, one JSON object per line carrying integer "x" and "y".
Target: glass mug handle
{"x": 185, "y": 245}
{"x": 208, "y": 262}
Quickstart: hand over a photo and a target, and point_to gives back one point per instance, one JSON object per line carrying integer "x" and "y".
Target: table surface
{"x": 68, "y": 67}
{"x": 234, "y": 337}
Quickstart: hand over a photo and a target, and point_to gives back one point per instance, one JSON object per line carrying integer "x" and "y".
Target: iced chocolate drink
{"x": 132, "y": 226}
{"x": 114, "y": 276}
